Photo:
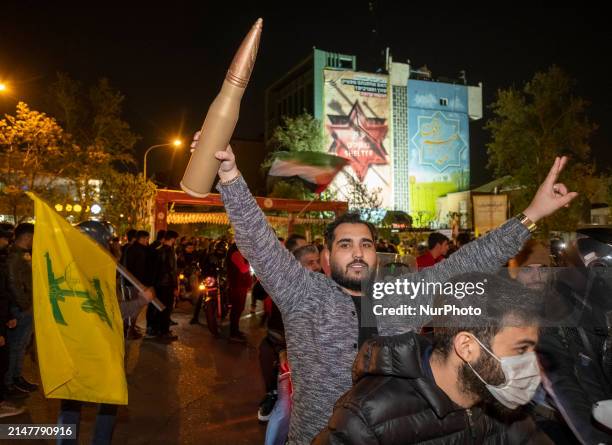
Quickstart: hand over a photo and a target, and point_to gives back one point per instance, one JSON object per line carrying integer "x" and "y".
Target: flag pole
{"x": 307, "y": 205}
{"x": 139, "y": 286}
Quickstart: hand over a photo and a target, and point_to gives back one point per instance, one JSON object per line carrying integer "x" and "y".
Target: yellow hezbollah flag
{"x": 78, "y": 325}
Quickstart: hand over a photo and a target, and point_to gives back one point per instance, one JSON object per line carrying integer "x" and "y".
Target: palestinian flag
{"x": 317, "y": 170}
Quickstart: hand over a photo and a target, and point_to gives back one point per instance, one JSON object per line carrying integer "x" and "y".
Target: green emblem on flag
{"x": 92, "y": 304}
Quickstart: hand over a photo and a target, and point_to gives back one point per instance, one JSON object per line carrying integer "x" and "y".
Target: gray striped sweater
{"x": 321, "y": 324}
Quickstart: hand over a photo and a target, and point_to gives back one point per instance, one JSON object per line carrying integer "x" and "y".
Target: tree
{"x": 368, "y": 203}
{"x": 127, "y": 199}
{"x": 101, "y": 141}
{"x": 290, "y": 189}
{"x": 533, "y": 125}
{"x": 34, "y": 157}
{"x": 300, "y": 133}
{"x": 303, "y": 133}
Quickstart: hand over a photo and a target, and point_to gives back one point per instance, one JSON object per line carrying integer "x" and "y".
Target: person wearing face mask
{"x": 323, "y": 317}
{"x": 466, "y": 385}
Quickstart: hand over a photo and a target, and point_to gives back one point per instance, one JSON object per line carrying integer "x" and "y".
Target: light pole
{"x": 176, "y": 143}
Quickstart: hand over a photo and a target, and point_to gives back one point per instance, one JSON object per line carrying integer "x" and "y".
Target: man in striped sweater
{"x": 322, "y": 314}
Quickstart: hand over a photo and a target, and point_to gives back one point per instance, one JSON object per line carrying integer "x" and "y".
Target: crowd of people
{"x": 335, "y": 374}
{"x": 16, "y": 317}
{"x": 182, "y": 268}
{"x": 423, "y": 379}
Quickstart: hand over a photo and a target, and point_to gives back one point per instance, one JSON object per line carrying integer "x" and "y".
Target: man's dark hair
{"x": 6, "y": 230}
{"x": 292, "y": 241}
{"x": 170, "y": 234}
{"x": 24, "y": 229}
{"x": 160, "y": 235}
{"x": 436, "y": 238}
{"x": 305, "y": 250}
{"x": 463, "y": 238}
{"x": 347, "y": 218}
{"x": 131, "y": 234}
{"x": 503, "y": 303}
{"x": 142, "y": 234}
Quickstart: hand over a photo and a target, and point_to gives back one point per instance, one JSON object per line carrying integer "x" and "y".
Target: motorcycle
{"x": 184, "y": 288}
{"x": 212, "y": 297}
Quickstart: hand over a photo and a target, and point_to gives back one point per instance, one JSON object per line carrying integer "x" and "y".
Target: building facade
{"x": 405, "y": 133}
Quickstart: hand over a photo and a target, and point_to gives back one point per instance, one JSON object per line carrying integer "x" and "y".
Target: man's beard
{"x": 490, "y": 370}
{"x": 341, "y": 277}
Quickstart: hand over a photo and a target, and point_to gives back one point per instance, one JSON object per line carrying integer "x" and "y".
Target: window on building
{"x": 346, "y": 64}
{"x": 444, "y": 101}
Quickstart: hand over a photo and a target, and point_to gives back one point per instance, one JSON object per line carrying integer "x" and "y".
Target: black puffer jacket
{"x": 394, "y": 402}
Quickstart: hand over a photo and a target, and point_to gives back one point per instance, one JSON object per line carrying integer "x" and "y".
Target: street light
{"x": 176, "y": 143}
{"x": 3, "y": 87}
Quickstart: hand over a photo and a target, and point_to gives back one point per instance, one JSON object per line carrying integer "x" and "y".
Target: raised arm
{"x": 492, "y": 251}
{"x": 277, "y": 269}
{"x": 486, "y": 254}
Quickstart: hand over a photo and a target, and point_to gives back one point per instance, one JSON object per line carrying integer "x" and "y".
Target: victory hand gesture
{"x": 551, "y": 196}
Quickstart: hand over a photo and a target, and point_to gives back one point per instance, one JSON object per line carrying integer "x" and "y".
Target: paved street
{"x": 197, "y": 390}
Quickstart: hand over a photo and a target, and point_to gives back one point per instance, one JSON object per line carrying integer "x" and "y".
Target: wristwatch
{"x": 529, "y": 224}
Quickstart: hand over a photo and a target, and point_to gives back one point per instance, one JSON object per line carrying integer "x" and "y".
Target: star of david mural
{"x": 439, "y": 141}
{"x": 359, "y": 139}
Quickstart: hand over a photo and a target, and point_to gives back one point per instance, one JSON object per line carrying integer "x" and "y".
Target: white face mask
{"x": 522, "y": 376}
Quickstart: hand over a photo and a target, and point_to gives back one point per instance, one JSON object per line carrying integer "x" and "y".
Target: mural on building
{"x": 438, "y": 144}
{"x": 356, "y": 126}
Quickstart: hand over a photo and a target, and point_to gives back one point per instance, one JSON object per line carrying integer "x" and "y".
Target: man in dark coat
{"x": 7, "y": 409}
{"x": 166, "y": 287}
{"x": 461, "y": 388}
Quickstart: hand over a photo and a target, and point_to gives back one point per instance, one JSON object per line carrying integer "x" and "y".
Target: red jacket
{"x": 427, "y": 260}
{"x": 238, "y": 270}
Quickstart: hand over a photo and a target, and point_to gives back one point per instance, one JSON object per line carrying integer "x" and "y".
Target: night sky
{"x": 170, "y": 61}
